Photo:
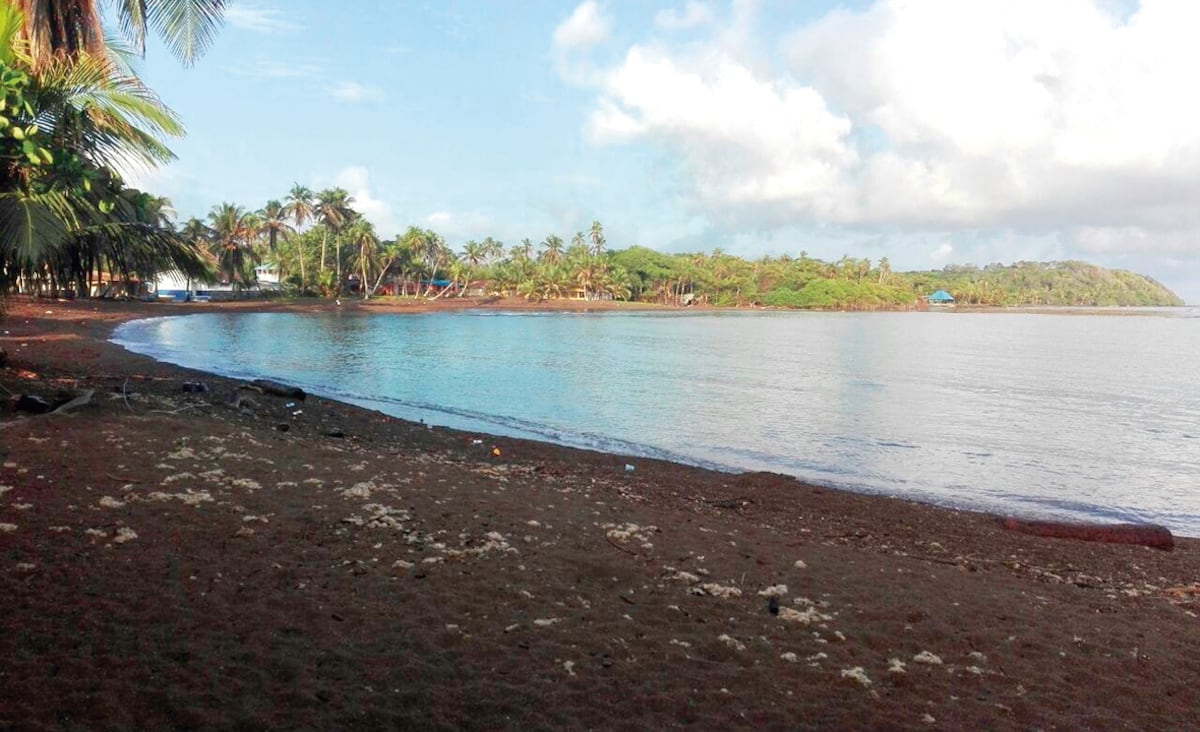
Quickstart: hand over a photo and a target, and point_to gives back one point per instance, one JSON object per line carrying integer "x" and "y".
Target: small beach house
{"x": 941, "y": 297}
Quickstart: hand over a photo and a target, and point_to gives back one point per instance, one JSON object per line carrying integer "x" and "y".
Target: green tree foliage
{"x": 71, "y": 114}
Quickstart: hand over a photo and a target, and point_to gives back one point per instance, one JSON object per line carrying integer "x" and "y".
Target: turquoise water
{"x": 1075, "y": 416}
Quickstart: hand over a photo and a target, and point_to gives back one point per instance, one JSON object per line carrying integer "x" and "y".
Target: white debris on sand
{"x": 191, "y": 498}
{"x": 183, "y": 453}
{"x": 724, "y": 592}
{"x": 732, "y": 642}
{"x": 806, "y": 617}
{"x": 569, "y": 666}
{"x": 546, "y": 622}
{"x": 359, "y": 490}
{"x": 7, "y": 528}
{"x": 402, "y": 564}
{"x": 110, "y": 502}
{"x": 775, "y": 591}
{"x": 799, "y": 564}
{"x": 790, "y": 657}
{"x": 124, "y": 534}
{"x": 896, "y": 666}
{"x": 857, "y": 674}
{"x": 927, "y": 657}
{"x": 628, "y": 531}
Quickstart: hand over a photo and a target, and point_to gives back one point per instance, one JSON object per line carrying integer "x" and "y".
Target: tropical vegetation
{"x": 72, "y": 114}
{"x": 319, "y": 244}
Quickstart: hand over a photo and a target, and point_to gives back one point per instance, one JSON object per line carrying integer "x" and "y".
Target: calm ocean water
{"x": 1075, "y": 416}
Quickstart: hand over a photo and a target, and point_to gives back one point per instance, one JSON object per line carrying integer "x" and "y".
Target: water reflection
{"x": 1072, "y": 415}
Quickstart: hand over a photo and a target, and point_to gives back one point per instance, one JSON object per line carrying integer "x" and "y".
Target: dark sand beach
{"x": 215, "y": 560}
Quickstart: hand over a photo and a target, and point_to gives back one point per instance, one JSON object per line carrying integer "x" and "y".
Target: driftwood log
{"x": 1151, "y": 535}
{"x": 278, "y": 389}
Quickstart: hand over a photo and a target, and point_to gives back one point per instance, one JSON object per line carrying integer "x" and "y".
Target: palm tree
{"x": 473, "y": 253}
{"x": 232, "y": 231}
{"x": 68, "y": 28}
{"x": 82, "y": 112}
{"x": 299, "y": 206}
{"x": 361, "y": 234}
{"x": 273, "y": 223}
{"x": 552, "y": 249}
{"x": 334, "y": 210}
{"x": 493, "y": 248}
{"x": 596, "y": 239}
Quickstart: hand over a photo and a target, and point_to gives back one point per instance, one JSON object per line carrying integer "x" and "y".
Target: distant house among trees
{"x": 941, "y": 297}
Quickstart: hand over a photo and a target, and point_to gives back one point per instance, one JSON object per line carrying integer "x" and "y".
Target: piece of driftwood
{"x": 1151, "y": 535}
{"x": 278, "y": 389}
{"x": 76, "y": 403}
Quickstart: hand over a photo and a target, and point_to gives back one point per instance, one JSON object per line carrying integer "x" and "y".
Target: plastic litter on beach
{"x": 628, "y": 468}
{"x": 495, "y": 452}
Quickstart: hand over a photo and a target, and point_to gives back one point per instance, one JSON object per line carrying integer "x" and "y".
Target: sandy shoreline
{"x": 172, "y": 560}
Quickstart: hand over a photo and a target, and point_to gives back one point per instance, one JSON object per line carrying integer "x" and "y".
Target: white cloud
{"x": 259, "y": 19}
{"x": 1060, "y": 120}
{"x": 691, "y": 15}
{"x": 744, "y": 140}
{"x": 942, "y": 254}
{"x": 353, "y": 92}
{"x": 438, "y": 218}
{"x": 586, "y": 27}
{"x": 356, "y": 180}
{"x": 267, "y": 69}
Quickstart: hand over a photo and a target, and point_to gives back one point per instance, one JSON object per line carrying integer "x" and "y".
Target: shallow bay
{"x": 1077, "y": 416}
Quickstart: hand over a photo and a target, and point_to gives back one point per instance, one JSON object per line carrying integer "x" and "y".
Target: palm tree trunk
{"x": 362, "y": 258}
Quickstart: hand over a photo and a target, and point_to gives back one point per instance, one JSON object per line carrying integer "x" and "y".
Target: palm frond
{"x": 187, "y": 26}
{"x": 33, "y": 225}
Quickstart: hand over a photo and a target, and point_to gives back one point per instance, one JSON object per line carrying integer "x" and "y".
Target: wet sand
{"x": 173, "y": 560}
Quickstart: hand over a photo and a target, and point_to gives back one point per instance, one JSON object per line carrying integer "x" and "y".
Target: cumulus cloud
{"x": 356, "y": 180}
{"x": 745, "y": 140}
{"x": 586, "y": 26}
{"x": 689, "y": 16}
{"x": 1061, "y": 119}
{"x": 258, "y": 18}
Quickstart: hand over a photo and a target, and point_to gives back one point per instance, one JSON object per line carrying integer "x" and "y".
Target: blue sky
{"x": 927, "y": 131}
